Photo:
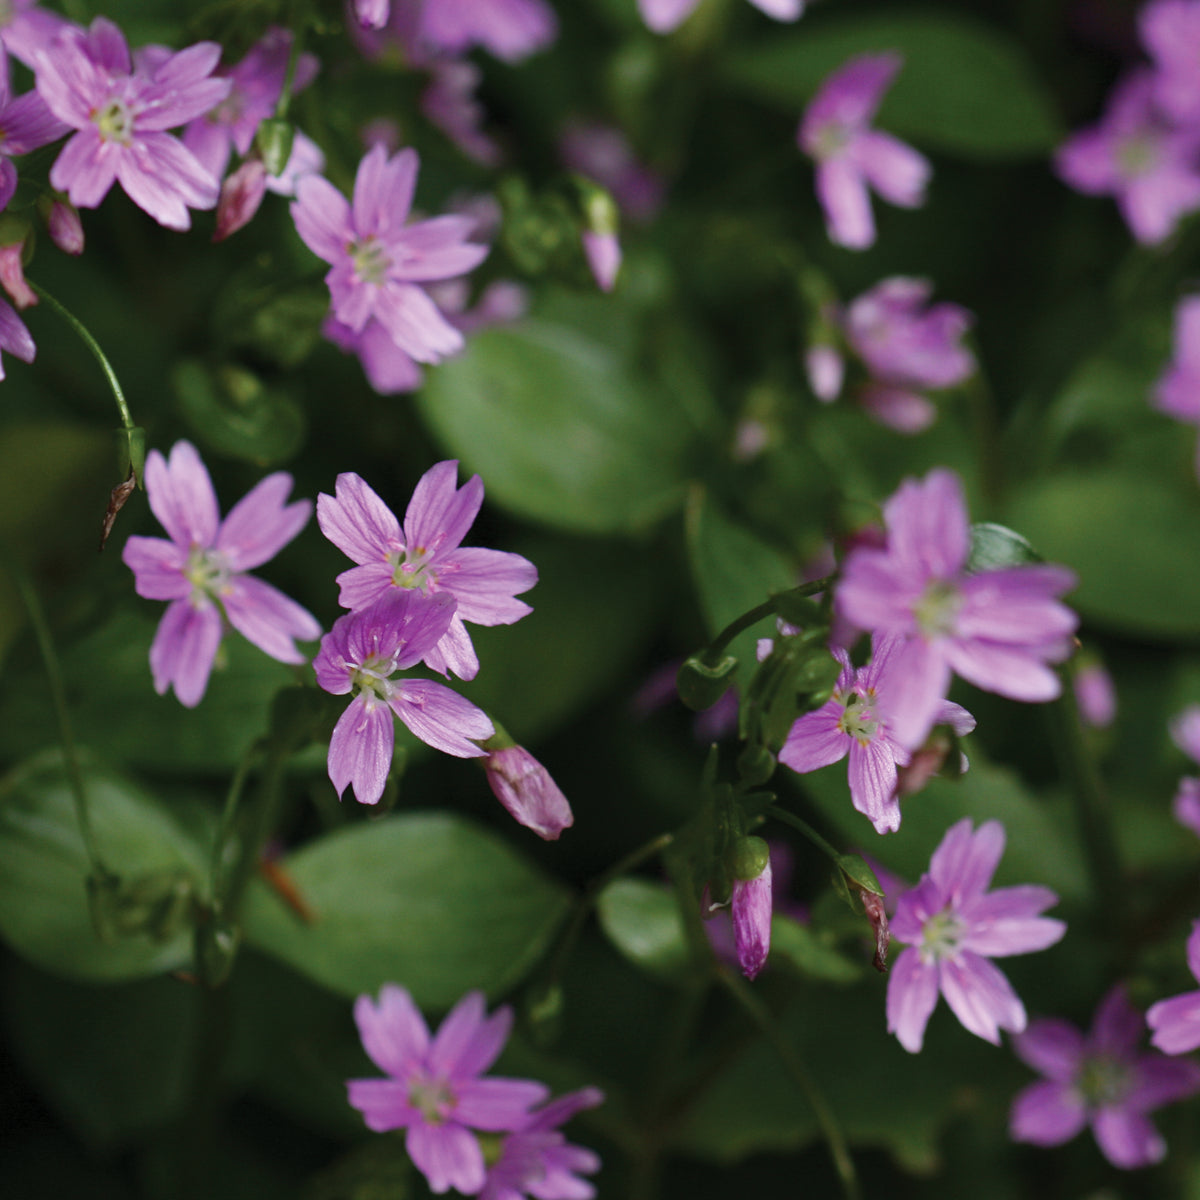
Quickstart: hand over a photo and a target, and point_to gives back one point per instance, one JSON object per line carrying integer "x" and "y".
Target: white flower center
{"x": 940, "y": 936}
{"x": 1136, "y": 155}
{"x": 859, "y": 719}
{"x": 208, "y": 573}
{"x": 410, "y": 568}
{"x": 373, "y": 674}
{"x": 371, "y": 261}
{"x": 937, "y": 610}
{"x": 433, "y": 1098}
{"x": 114, "y": 120}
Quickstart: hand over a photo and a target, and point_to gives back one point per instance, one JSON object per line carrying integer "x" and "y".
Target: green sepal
{"x": 701, "y": 684}
{"x": 994, "y": 547}
{"x": 755, "y": 764}
{"x": 131, "y": 452}
{"x": 750, "y": 858}
{"x": 853, "y": 876}
{"x": 798, "y": 609}
{"x": 274, "y": 143}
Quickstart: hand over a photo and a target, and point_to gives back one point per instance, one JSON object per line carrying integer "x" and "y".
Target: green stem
{"x": 759, "y": 611}
{"x": 298, "y": 26}
{"x": 794, "y": 1065}
{"x": 58, "y": 696}
{"x": 122, "y": 406}
{"x": 802, "y": 826}
{"x": 268, "y": 804}
{"x": 228, "y": 815}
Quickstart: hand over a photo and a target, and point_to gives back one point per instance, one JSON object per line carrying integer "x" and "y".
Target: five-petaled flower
{"x": 997, "y": 628}
{"x": 434, "y": 1089}
{"x": 851, "y": 722}
{"x": 1098, "y": 1079}
{"x": 953, "y": 926}
{"x": 836, "y": 133}
{"x": 426, "y": 556}
{"x": 201, "y": 570}
{"x": 377, "y": 262}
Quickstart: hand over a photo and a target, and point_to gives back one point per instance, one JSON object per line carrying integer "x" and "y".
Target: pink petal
{"x": 1052, "y": 1047}
{"x": 895, "y": 170}
{"x": 467, "y": 1043}
{"x": 872, "y": 777}
{"x": 498, "y": 1103}
{"x": 262, "y": 523}
{"x": 266, "y": 617}
{"x": 383, "y": 1103}
{"x": 980, "y": 996}
{"x": 965, "y": 861}
{"x": 911, "y": 996}
{"x": 361, "y": 586}
{"x": 415, "y": 323}
{"x": 442, "y": 718}
{"x": 1128, "y": 1139}
{"x": 383, "y": 191}
{"x": 394, "y": 1033}
{"x": 322, "y": 217}
{"x": 842, "y": 192}
{"x": 360, "y": 750}
{"x": 440, "y": 514}
{"x": 815, "y": 741}
{"x": 181, "y": 496}
{"x": 485, "y": 582}
{"x": 454, "y": 652}
{"x": 357, "y": 521}
{"x": 1047, "y": 1114}
{"x": 157, "y": 566}
{"x": 183, "y": 650}
{"x": 916, "y": 693}
{"x": 448, "y": 1156}
{"x": 1011, "y": 671}
{"x": 86, "y": 168}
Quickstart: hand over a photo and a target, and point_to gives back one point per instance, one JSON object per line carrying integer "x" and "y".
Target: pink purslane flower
{"x": 378, "y": 263}
{"x": 997, "y": 628}
{"x": 908, "y": 346}
{"x": 434, "y": 1089}
{"x": 1170, "y": 31}
{"x": 851, "y": 722}
{"x": 1099, "y": 1079}
{"x": 1177, "y": 392}
{"x": 25, "y": 124}
{"x": 1135, "y": 155}
{"x": 537, "y": 1160}
{"x": 953, "y": 926}
{"x": 360, "y": 654}
{"x": 1176, "y": 1022}
{"x": 202, "y": 570}
{"x": 836, "y": 133}
{"x": 426, "y": 556}
{"x": 528, "y": 791}
{"x": 664, "y": 15}
{"x": 121, "y": 114}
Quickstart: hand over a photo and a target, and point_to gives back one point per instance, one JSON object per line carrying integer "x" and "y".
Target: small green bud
{"x": 749, "y": 858}
{"x": 216, "y": 946}
{"x": 131, "y": 452}
{"x": 797, "y": 609}
{"x": 756, "y": 764}
{"x": 273, "y": 141}
{"x": 701, "y": 684}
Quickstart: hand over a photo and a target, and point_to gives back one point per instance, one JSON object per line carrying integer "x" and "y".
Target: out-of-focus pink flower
{"x": 12, "y": 275}
{"x": 1176, "y": 1022}
{"x": 26, "y": 29}
{"x": 64, "y": 226}
{"x": 1170, "y": 31}
{"x": 424, "y": 30}
{"x": 14, "y": 337}
{"x": 999, "y": 628}
{"x": 1185, "y": 731}
{"x": 1095, "y": 695}
{"x": 826, "y": 370}
{"x": 121, "y": 115}
{"x": 450, "y": 103}
{"x": 1099, "y": 1079}
{"x": 954, "y": 927}
{"x": 372, "y": 14}
{"x": 836, "y": 133}
{"x": 1186, "y": 805}
{"x": 603, "y": 153}
{"x": 603, "y": 253}
{"x": 201, "y": 571}
{"x": 1133, "y": 154}
{"x": 1177, "y": 391}
{"x": 664, "y": 15}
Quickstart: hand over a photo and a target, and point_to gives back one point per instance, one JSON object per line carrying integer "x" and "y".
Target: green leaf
{"x": 114, "y": 706}
{"x": 44, "y": 869}
{"x": 642, "y": 919}
{"x": 1133, "y": 539}
{"x": 558, "y": 429}
{"x": 964, "y": 88}
{"x": 809, "y": 952}
{"x": 428, "y": 901}
{"x": 994, "y": 547}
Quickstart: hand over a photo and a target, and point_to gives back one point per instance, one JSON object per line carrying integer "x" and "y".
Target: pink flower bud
{"x": 603, "y": 252}
{"x": 751, "y": 907}
{"x": 241, "y": 194}
{"x": 12, "y": 275}
{"x": 825, "y": 369}
{"x": 372, "y": 14}
{"x": 1095, "y": 695}
{"x": 66, "y": 229}
{"x": 525, "y": 788}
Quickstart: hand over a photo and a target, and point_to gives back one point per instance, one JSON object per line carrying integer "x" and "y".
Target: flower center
{"x": 433, "y": 1098}
{"x": 114, "y": 120}
{"x": 410, "y": 568}
{"x": 859, "y": 720}
{"x": 832, "y": 139}
{"x": 937, "y": 610}
{"x": 1102, "y": 1081}
{"x": 371, "y": 261}
{"x": 207, "y": 572}
{"x": 940, "y": 936}
{"x": 373, "y": 675}
{"x": 1136, "y": 155}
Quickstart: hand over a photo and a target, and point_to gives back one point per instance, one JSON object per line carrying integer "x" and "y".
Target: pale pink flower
{"x": 664, "y": 15}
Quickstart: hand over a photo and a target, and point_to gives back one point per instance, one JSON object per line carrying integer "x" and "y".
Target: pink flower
{"x": 953, "y": 927}
{"x": 664, "y": 15}
{"x": 1186, "y": 805}
{"x": 603, "y": 254}
{"x": 450, "y": 103}
{"x": 527, "y": 790}
{"x": 1170, "y": 31}
{"x": 1098, "y": 1079}
{"x": 201, "y": 571}
{"x": 750, "y": 906}
{"x": 14, "y": 337}
{"x": 377, "y": 261}
{"x": 1177, "y": 392}
{"x": 997, "y": 628}
{"x": 1176, "y": 1022}
{"x": 25, "y": 29}
{"x": 835, "y": 132}
{"x": 121, "y": 115}
{"x": 25, "y": 124}
{"x": 536, "y": 1160}
{"x": 1134, "y": 155}
{"x": 1185, "y": 731}
{"x": 603, "y": 153}
{"x": 851, "y": 723}
{"x": 426, "y": 556}
{"x": 1095, "y": 696}
{"x": 360, "y": 654}
{"x": 434, "y": 1089}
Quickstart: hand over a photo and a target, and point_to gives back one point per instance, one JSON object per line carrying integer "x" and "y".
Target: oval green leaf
{"x": 642, "y": 920}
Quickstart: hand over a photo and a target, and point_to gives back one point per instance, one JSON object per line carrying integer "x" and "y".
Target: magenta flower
{"x": 664, "y": 15}
{"x": 527, "y": 790}
{"x": 1184, "y": 728}
{"x": 1186, "y": 806}
{"x": 256, "y": 84}
{"x": 377, "y": 261}
{"x": 907, "y": 346}
{"x": 1170, "y": 31}
{"x": 1098, "y": 1079}
{"x": 450, "y": 103}
{"x": 1134, "y": 155}
{"x": 26, "y": 29}
{"x": 1095, "y": 696}
{"x": 25, "y": 124}
{"x": 372, "y": 14}
{"x": 434, "y": 1089}
{"x": 835, "y": 132}
{"x": 603, "y": 254}
{"x": 1176, "y": 1022}
{"x": 201, "y": 571}
{"x": 14, "y": 337}
{"x": 121, "y": 115}
{"x": 953, "y": 926}
{"x": 851, "y": 723}
{"x": 997, "y": 628}
{"x": 536, "y": 1160}
{"x": 1177, "y": 392}
{"x": 427, "y": 556}
{"x": 360, "y": 654}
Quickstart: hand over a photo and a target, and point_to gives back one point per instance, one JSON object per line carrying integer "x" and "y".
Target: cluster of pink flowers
{"x": 435, "y": 1090}
{"x": 1145, "y": 151}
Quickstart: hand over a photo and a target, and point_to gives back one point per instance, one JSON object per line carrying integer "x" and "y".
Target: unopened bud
{"x": 241, "y": 194}
{"x": 12, "y": 275}
{"x": 527, "y": 790}
{"x": 274, "y": 143}
{"x": 64, "y": 226}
